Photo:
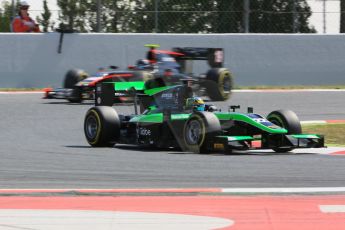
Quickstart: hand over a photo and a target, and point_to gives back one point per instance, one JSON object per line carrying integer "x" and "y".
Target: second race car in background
{"x": 170, "y": 68}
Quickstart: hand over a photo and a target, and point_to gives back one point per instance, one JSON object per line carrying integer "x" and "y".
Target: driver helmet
{"x": 143, "y": 63}
{"x": 196, "y": 103}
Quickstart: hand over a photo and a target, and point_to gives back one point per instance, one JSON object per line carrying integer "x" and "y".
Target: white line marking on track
{"x": 200, "y": 190}
{"x": 284, "y": 190}
{"x": 314, "y": 122}
{"x": 105, "y": 220}
{"x": 332, "y": 208}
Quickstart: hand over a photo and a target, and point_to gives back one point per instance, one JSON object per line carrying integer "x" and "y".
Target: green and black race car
{"x": 172, "y": 117}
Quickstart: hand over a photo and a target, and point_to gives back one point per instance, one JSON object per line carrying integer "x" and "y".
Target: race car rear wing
{"x": 107, "y": 93}
{"x": 214, "y": 56}
{"x": 172, "y": 97}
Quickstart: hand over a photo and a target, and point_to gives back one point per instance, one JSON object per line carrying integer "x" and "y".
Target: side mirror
{"x": 234, "y": 107}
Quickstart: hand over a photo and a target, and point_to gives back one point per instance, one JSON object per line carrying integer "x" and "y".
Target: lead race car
{"x": 173, "y": 117}
{"x": 168, "y": 68}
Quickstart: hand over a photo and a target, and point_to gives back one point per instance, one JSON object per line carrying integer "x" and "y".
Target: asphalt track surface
{"x": 42, "y": 145}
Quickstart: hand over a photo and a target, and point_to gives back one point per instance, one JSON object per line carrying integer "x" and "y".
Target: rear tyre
{"x": 76, "y": 95}
{"x": 72, "y": 77}
{"x": 288, "y": 120}
{"x": 102, "y": 126}
{"x": 219, "y": 84}
{"x": 199, "y": 131}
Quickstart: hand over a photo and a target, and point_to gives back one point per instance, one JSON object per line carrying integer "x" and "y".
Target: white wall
{"x": 31, "y": 60}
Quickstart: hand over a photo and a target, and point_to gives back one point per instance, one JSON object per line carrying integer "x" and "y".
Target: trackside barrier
{"x": 32, "y": 60}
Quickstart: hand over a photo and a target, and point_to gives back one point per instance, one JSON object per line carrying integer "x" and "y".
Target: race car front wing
{"x": 270, "y": 141}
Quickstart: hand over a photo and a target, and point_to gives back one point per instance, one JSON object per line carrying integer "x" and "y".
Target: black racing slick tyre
{"x": 199, "y": 131}
{"x": 219, "y": 84}
{"x": 102, "y": 126}
{"x": 72, "y": 77}
{"x": 288, "y": 120}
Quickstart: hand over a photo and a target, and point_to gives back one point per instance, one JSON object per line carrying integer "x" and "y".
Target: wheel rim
{"x": 193, "y": 132}
{"x": 91, "y": 127}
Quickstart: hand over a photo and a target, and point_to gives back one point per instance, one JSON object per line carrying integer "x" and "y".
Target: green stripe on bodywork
{"x": 152, "y": 118}
{"x": 246, "y": 119}
{"x": 121, "y": 86}
{"x": 158, "y": 117}
{"x": 307, "y": 136}
{"x": 237, "y": 138}
{"x": 153, "y": 91}
{"x": 182, "y": 116}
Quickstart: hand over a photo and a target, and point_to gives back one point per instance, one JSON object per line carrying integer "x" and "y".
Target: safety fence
{"x": 180, "y": 16}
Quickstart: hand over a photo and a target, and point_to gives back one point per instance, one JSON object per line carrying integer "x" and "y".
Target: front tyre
{"x": 288, "y": 120}
{"x": 102, "y": 126}
{"x": 199, "y": 131}
{"x": 72, "y": 77}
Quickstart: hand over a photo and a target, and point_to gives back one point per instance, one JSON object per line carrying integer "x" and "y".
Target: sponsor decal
{"x": 218, "y": 146}
{"x": 144, "y": 132}
{"x": 265, "y": 122}
{"x": 168, "y": 59}
{"x": 167, "y": 95}
{"x": 260, "y": 120}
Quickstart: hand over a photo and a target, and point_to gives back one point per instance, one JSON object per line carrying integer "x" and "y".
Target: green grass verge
{"x": 334, "y": 133}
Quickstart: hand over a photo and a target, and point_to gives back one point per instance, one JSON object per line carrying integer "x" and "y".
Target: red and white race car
{"x": 168, "y": 68}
